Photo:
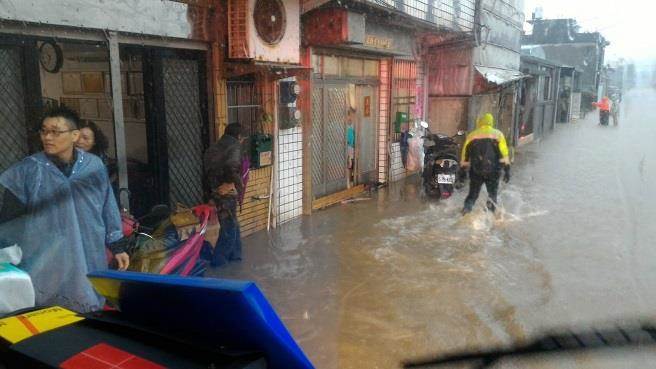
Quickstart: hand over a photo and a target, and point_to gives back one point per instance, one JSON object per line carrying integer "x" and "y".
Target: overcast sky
{"x": 629, "y": 25}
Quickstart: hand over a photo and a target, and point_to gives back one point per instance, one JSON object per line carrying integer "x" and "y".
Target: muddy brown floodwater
{"x": 369, "y": 284}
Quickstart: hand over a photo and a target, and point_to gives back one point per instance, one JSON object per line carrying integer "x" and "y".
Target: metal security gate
{"x": 244, "y": 105}
{"x": 316, "y": 142}
{"x": 177, "y": 123}
{"x": 184, "y": 129}
{"x": 20, "y": 100}
{"x": 404, "y": 91}
{"x": 13, "y": 120}
{"x": 329, "y": 104}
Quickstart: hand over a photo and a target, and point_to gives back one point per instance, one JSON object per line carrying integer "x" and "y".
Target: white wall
{"x": 500, "y": 37}
{"x": 397, "y": 171}
{"x": 52, "y": 87}
{"x": 290, "y": 174}
{"x": 150, "y": 17}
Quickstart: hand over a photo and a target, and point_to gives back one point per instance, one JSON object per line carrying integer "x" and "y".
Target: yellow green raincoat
{"x": 485, "y": 130}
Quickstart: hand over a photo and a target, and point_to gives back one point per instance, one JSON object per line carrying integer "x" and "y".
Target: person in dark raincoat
{"x": 224, "y": 184}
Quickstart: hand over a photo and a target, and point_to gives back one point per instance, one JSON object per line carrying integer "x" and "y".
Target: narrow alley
{"x": 238, "y": 183}
{"x": 369, "y": 284}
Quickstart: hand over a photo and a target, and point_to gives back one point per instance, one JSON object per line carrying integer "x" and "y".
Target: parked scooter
{"x": 441, "y": 164}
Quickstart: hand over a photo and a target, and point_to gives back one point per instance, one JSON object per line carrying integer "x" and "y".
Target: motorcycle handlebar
{"x": 451, "y": 137}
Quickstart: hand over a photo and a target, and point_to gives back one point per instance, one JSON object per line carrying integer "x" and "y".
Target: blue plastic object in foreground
{"x": 223, "y": 313}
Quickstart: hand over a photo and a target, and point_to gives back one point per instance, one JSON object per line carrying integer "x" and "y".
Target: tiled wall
{"x": 420, "y": 99}
{"x": 397, "y": 171}
{"x": 254, "y": 214}
{"x": 290, "y": 174}
{"x": 383, "y": 124}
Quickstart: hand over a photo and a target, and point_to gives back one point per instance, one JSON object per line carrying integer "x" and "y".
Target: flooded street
{"x": 369, "y": 284}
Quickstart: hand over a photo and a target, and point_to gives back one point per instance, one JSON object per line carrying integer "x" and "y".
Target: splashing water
{"x": 369, "y": 284}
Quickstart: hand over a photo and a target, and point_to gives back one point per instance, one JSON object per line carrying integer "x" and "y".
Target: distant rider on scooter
{"x": 485, "y": 152}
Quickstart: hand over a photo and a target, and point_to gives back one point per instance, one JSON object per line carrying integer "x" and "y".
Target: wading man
{"x": 484, "y": 153}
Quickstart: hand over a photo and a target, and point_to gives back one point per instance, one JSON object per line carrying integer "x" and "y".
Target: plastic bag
{"x": 414, "y": 159}
{"x": 12, "y": 255}
{"x": 16, "y": 286}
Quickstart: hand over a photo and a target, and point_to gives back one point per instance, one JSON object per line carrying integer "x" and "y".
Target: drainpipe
{"x": 518, "y": 99}
{"x": 429, "y": 11}
{"x": 274, "y": 212}
{"x": 556, "y": 98}
{"x": 119, "y": 124}
{"x": 477, "y": 22}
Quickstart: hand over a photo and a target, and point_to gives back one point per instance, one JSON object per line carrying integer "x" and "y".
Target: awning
{"x": 500, "y": 76}
{"x": 280, "y": 69}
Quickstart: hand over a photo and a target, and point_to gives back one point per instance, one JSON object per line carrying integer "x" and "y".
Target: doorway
{"x": 330, "y": 105}
{"x": 329, "y": 151}
{"x": 175, "y": 131}
{"x": 366, "y": 133}
{"x": 164, "y": 95}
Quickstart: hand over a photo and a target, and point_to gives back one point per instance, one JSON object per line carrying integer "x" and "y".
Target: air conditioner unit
{"x": 264, "y": 30}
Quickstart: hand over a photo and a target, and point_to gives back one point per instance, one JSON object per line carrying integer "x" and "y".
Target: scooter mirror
{"x": 423, "y": 124}
{"x": 461, "y": 133}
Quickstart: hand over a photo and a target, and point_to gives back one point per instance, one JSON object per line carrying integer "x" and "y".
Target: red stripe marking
{"x": 104, "y": 356}
{"x": 26, "y": 322}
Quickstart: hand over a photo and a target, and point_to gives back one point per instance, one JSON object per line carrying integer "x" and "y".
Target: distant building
{"x": 545, "y": 97}
{"x": 559, "y": 41}
{"x": 482, "y": 75}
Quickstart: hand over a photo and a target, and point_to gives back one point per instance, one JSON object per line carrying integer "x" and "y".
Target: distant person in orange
{"x": 604, "y": 110}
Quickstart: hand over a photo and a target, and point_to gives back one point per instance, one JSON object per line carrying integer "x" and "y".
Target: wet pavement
{"x": 368, "y": 284}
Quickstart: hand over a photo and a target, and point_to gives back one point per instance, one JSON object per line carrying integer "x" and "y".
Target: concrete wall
{"x": 447, "y": 114}
{"x": 500, "y": 36}
{"x": 161, "y": 18}
{"x": 82, "y": 59}
{"x": 582, "y": 56}
{"x": 481, "y": 104}
{"x": 544, "y": 107}
{"x": 500, "y": 104}
{"x": 450, "y": 72}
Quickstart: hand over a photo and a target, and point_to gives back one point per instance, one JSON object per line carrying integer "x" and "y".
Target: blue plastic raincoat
{"x": 68, "y": 222}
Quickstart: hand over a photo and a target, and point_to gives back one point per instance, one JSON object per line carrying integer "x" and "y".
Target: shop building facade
{"x": 162, "y": 80}
{"x": 164, "y": 85}
{"x": 372, "y": 57}
{"x": 139, "y": 71}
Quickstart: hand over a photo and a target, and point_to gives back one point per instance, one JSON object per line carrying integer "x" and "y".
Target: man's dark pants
{"x": 603, "y": 117}
{"x": 228, "y": 246}
{"x": 476, "y": 181}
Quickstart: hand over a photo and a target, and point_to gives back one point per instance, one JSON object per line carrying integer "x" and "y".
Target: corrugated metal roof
{"x": 500, "y": 76}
